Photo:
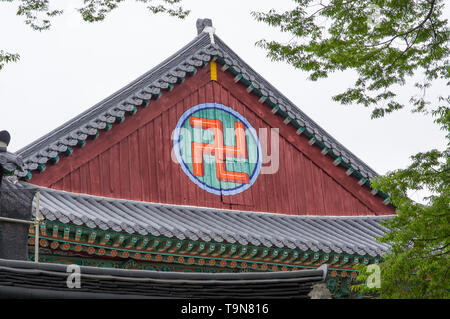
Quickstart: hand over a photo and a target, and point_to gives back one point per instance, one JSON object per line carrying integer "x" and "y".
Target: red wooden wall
{"x": 133, "y": 161}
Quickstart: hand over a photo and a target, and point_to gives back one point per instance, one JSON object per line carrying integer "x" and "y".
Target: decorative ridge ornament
{"x": 205, "y": 25}
{"x": 5, "y": 138}
{"x": 9, "y": 162}
{"x": 217, "y": 149}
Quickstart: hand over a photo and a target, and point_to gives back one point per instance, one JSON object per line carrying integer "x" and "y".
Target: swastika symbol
{"x": 219, "y": 150}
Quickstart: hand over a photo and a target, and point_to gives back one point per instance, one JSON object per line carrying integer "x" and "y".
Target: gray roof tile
{"x": 25, "y": 279}
{"x": 11, "y": 162}
{"x": 352, "y": 235}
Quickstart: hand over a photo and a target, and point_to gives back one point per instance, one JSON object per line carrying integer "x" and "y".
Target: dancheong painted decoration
{"x": 217, "y": 148}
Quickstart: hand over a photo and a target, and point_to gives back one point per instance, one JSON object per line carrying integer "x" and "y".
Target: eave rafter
{"x": 107, "y": 244}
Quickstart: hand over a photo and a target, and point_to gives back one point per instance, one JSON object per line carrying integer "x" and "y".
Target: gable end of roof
{"x": 150, "y": 86}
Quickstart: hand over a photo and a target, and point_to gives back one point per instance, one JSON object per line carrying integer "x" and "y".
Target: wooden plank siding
{"x": 133, "y": 161}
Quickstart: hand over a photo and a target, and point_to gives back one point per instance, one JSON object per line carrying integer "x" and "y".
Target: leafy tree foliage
{"x": 418, "y": 264}
{"x": 38, "y": 14}
{"x": 386, "y": 42}
{"x": 6, "y": 57}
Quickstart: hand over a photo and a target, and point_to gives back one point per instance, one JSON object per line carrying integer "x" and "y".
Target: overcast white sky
{"x": 68, "y": 69}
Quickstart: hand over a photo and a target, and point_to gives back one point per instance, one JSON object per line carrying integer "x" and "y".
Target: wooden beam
{"x": 143, "y": 243}
{"x": 92, "y": 237}
{"x": 78, "y": 233}
{"x": 106, "y": 238}
{"x": 55, "y": 231}
{"x": 119, "y": 241}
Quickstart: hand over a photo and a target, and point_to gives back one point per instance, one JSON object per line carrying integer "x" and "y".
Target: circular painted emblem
{"x": 217, "y": 149}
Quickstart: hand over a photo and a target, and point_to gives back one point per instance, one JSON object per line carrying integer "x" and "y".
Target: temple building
{"x": 201, "y": 165}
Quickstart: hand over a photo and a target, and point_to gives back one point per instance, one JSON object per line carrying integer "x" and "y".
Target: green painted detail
{"x": 66, "y": 231}
{"x": 300, "y": 130}
{"x": 238, "y": 77}
{"x": 156, "y": 96}
{"x": 180, "y": 80}
{"x": 94, "y": 137}
{"x": 190, "y": 246}
{"x": 43, "y": 228}
{"x": 264, "y": 252}
{"x": 262, "y": 99}
{"x": 133, "y": 111}
{"x": 362, "y": 181}
{"x": 28, "y": 176}
{"x": 54, "y": 160}
{"x": 108, "y": 126}
{"x": 156, "y": 243}
{"x": 120, "y": 240}
{"x": 120, "y": 119}
{"x": 81, "y": 143}
{"x": 193, "y": 72}
{"x": 41, "y": 168}
{"x": 337, "y": 161}
{"x": 170, "y": 87}
{"x": 144, "y": 243}
{"x": 145, "y": 103}
{"x": 93, "y": 236}
{"x": 106, "y": 238}
{"x": 335, "y": 258}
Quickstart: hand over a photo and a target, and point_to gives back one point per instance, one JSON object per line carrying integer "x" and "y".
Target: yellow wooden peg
{"x": 213, "y": 71}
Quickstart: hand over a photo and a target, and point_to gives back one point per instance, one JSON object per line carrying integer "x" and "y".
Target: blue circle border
{"x": 176, "y": 142}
